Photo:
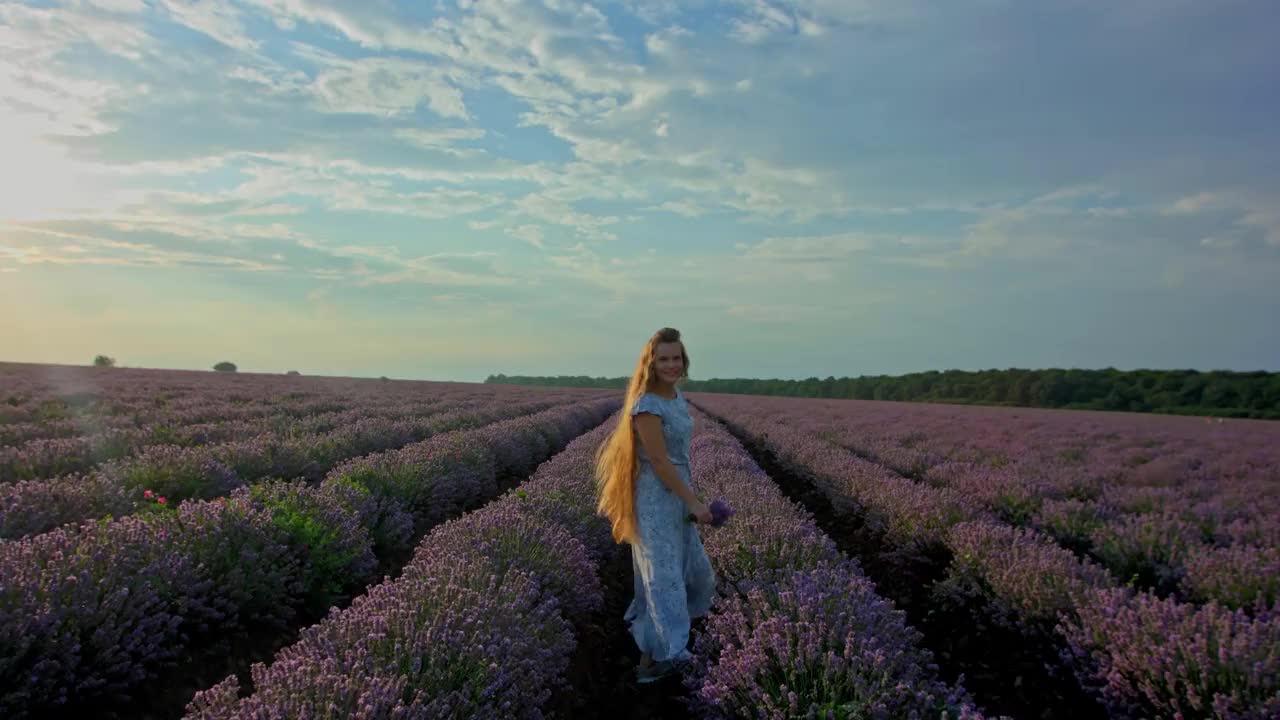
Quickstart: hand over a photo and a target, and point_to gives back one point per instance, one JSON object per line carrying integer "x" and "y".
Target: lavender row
{"x": 1192, "y": 517}
{"x": 48, "y": 401}
{"x": 1217, "y": 663}
{"x": 205, "y": 472}
{"x": 480, "y": 624}
{"x": 802, "y": 632}
{"x": 43, "y": 458}
{"x": 77, "y": 452}
{"x": 91, "y": 618}
{"x": 1080, "y": 453}
{"x": 1138, "y": 654}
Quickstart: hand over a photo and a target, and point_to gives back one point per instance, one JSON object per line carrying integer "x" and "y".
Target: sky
{"x": 449, "y": 189}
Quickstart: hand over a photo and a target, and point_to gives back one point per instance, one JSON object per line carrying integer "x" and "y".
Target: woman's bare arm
{"x": 649, "y": 427}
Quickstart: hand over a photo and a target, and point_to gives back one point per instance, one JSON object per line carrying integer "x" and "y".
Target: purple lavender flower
{"x": 816, "y": 640}
{"x": 1150, "y": 657}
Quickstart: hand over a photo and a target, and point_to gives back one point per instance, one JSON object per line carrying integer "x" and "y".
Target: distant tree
{"x": 104, "y": 361}
{"x": 293, "y": 372}
{"x": 1234, "y": 394}
{"x": 225, "y": 366}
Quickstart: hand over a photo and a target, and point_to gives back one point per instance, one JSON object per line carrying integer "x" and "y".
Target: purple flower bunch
{"x": 720, "y": 513}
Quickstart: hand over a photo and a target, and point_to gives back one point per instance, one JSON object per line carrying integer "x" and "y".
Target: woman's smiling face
{"x": 669, "y": 361}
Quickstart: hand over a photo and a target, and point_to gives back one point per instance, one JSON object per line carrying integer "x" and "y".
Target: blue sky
{"x": 449, "y": 189}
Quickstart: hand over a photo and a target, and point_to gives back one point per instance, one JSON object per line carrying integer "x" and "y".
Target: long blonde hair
{"x": 616, "y": 462}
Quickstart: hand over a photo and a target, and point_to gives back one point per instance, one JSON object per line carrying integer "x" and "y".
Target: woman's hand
{"x": 700, "y": 512}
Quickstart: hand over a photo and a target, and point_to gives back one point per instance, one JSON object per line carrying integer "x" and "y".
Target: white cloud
{"x": 531, "y": 234}
{"x": 1191, "y": 204}
{"x": 40, "y": 34}
{"x": 385, "y": 86}
{"x": 811, "y": 249}
{"x": 63, "y": 248}
{"x": 219, "y": 20}
{"x": 680, "y": 207}
{"x": 439, "y": 137}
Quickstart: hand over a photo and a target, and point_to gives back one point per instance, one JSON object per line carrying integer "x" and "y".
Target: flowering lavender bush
{"x": 1152, "y": 657}
{"x": 817, "y": 643}
{"x": 1237, "y": 576}
{"x": 324, "y": 524}
{"x": 500, "y": 537}
{"x": 89, "y": 613}
{"x": 562, "y": 494}
{"x": 35, "y": 506}
{"x": 766, "y": 539}
{"x": 1148, "y": 549}
{"x": 55, "y": 456}
{"x": 249, "y": 574}
{"x": 441, "y": 644}
{"x": 1010, "y": 497}
{"x": 179, "y": 473}
{"x": 1071, "y": 522}
{"x": 431, "y": 480}
{"x": 1023, "y": 580}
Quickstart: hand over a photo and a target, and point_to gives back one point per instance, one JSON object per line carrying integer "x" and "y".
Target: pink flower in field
{"x": 160, "y": 499}
{"x": 147, "y": 493}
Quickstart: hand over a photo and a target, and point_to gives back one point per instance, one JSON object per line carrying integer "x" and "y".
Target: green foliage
{"x": 328, "y": 556}
{"x": 225, "y": 366}
{"x": 104, "y": 361}
{"x": 1220, "y": 393}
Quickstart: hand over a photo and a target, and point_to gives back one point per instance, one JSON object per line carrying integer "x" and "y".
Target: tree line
{"x": 1221, "y": 393}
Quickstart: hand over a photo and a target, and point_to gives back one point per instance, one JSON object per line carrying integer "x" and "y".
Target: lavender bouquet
{"x": 720, "y": 512}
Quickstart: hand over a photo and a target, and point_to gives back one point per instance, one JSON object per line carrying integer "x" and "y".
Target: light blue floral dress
{"x": 674, "y": 582}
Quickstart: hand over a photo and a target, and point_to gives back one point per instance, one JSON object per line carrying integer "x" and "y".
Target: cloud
{"x": 1191, "y": 204}
{"x": 386, "y": 87}
{"x": 812, "y": 249}
{"x": 680, "y": 207}
{"x": 531, "y": 234}
{"x": 62, "y": 248}
{"x": 220, "y": 21}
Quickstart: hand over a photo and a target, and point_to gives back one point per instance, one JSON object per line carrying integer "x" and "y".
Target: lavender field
{"x": 163, "y": 529}
{"x": 227, "y": 545}
{"x": 1067, "y": 564}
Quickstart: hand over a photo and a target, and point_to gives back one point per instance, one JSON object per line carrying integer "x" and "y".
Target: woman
{"x": 642, "y": 475}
